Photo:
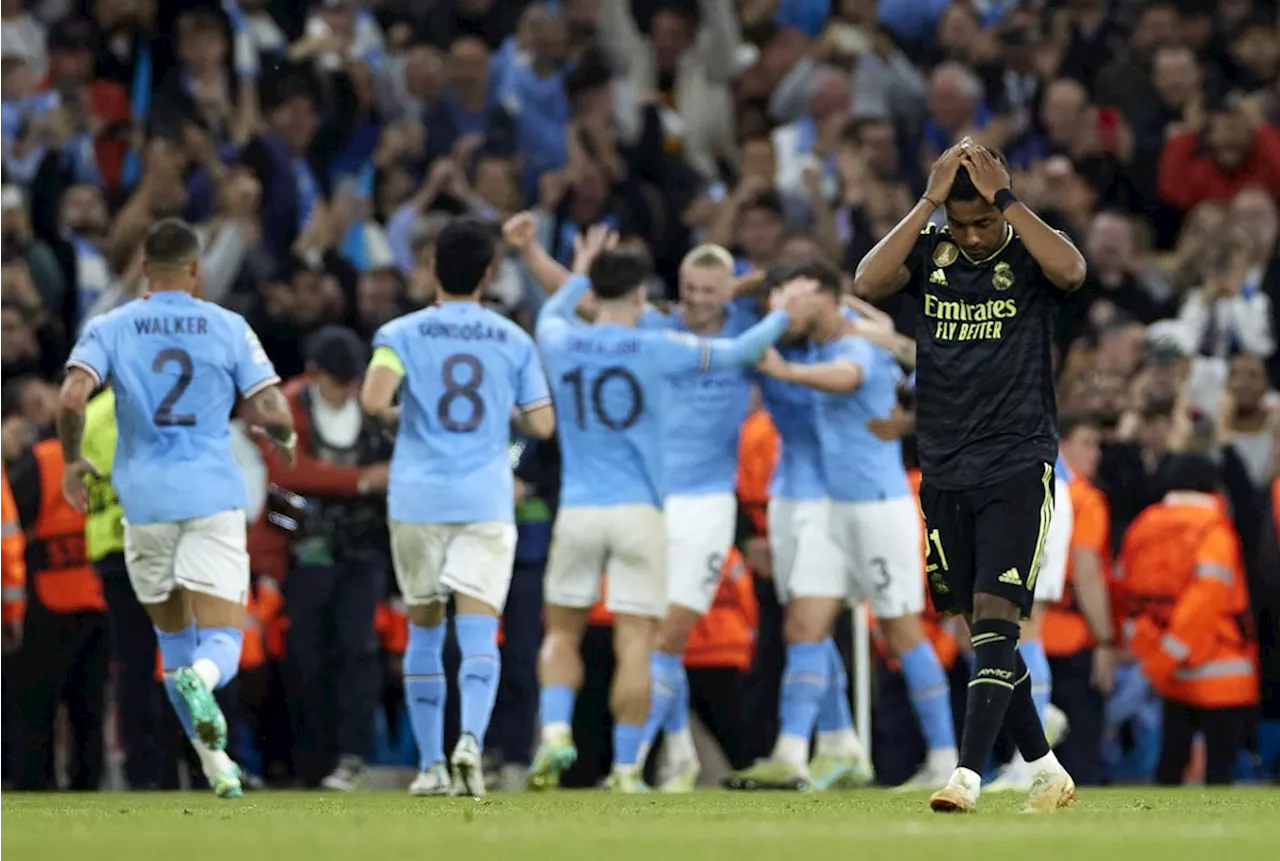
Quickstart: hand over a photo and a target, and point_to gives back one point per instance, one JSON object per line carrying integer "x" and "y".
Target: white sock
{"x": 554, "y": 732}
{"x": 791, "y": 749}
{"x": 213, "y": 762}
{"x": 968, "y": 779}
{"x": 942, "y": 759}
{"x": 840, "y": 743}
{"x": 1048, "y": 762}
{"x": 208, "y": 672}
{"x": 679, "y": 746}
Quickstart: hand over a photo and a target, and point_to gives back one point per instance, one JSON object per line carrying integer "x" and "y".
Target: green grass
{"x": 1134, "y": 825}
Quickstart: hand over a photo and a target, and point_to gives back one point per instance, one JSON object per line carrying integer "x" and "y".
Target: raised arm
{"x": 839, "y": 377}
{"x": 1062, "y": 262}
{"x": 521, "y": 233}
{"x": 883, "y": 271}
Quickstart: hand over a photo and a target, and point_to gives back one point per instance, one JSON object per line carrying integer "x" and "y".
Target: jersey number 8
{"x": 612, "y": 422}
{"x": 466, "y": 389}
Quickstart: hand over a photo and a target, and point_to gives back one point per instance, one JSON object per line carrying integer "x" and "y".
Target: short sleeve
{"x": 90, "y": 354}
{"x": 532, "y": 391}
{"x": 1091, "y": 527}
{"x": 253, "y": 369}
{"x": 385, "y": 357}
{"x": 919, "y": 258}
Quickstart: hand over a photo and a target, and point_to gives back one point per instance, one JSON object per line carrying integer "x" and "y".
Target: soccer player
{"x": 176, "y": 364}
{"x": 989, "y": 284}
{"x": 610, "y": 383}
{"x": 461, "y": 370}
{"x": 871, "y": 517}
{"x": 1050, "y": 587}
{"x": 700, "y": 461}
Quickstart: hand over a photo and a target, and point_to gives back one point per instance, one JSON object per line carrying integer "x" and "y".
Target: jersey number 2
{"x": 165, "y": 417}
{"x": 466, "y": 389}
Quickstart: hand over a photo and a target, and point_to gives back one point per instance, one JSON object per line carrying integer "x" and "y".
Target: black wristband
{"x": 1004, "y": 199}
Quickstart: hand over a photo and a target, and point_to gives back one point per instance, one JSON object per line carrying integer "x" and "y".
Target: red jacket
{"x": 269, "y": 546}
{"x": 1189, "y": 175}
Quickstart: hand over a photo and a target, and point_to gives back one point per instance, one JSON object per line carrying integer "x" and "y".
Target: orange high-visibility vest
{"x": 757, "y": 457}
{"x": 726, "y": 636}
{"x": 1185, "y": 600}
{"x": 59, "y": 571}
{"x": 939, "y": 634}
{"x": 13, "y": 590}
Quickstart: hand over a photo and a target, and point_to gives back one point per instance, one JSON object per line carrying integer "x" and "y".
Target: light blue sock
{"x": 678, "y": 714}
{"x": 555, "y": 704}
{"x": 222, "y": 647}
{"x": 834, "y": 714}
{"x": 804, "y": 680}
{"x": 1037, "y": 662}
{"x": 178, "y": 650}
{"x": 425, "y": 690}
{"x": 666, "y": 672}
{"x": 626, "y": 743}
{"x": 930, "y": 695}
{"x": 479, "y": 671}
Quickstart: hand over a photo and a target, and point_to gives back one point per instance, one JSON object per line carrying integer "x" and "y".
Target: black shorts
{"x": 987, "y": 539}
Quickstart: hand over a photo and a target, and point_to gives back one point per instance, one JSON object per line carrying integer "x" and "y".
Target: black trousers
{"x": 332, "y": 661}
{"x": 592, "y": 720}
{"x": 141, "y": 706}
{"x": 515, "y": 714}
{"x": 63, "y": 659}
{"x": 1223, "y": 732}
{"x": 1081, "y": 751}
{"x": 717, "y": 696}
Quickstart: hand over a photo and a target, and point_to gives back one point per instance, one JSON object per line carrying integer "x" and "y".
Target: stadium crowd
{"x": 320, "y": 147}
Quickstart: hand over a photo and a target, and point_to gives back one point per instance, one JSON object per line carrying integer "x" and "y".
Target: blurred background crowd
{"x": 321, "y": 145}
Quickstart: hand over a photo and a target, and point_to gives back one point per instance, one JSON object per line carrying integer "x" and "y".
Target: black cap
{"x": 339, "y": 352}
{"x": 72, "y": 34}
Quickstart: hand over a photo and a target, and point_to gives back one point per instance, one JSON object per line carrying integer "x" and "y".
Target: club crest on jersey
{"x": 1002, "y": 277}
{"x": 945, "y": 254}
{"x": 938, "y": 277}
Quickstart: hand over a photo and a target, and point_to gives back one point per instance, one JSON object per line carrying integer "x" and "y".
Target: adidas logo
{"x": 1011, "y": 577}
{"x": 938, "y": 277}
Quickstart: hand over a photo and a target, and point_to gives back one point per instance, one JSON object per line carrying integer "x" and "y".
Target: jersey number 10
{"x": 621, "y": 422}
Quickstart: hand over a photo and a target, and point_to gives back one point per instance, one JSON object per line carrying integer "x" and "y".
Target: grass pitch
{"x": 1134, "y": 825}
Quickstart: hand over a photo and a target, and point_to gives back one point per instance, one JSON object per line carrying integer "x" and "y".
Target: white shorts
{"x": 883, "y": 542}
{"x": 1051, "y": 581}
{"x": 626, "y": 543}
{"x": 434, "y": 560}
{"x": 202, "y": 554}
{"x": 806, "y": 562}
{"x": 699, "y": 536}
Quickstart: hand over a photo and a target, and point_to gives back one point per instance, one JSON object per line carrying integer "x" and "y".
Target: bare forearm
{"x": 75, "y": 393}
{"x": 883, "y": 271}
{"x": 825, "y": 225}
{"x": 1092, "y": 594}
{"x": 1061, "y": 261}
{"x": 274, "y": 414}
{"x": 546, "y": 270}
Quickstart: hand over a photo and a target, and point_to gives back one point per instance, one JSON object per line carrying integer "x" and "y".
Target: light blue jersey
{"x": 610, "y": 386}
{"x": 1062, "y": 471}
{"x": 856, "y": 466}
{"x": 798, "y": 473}
{"x": 176, "y": 364}
{"x": 464, "y": 369}
{"x": 705, "y": 412}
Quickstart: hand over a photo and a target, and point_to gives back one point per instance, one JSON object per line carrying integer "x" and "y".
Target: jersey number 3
{"x": 165, "y": 417}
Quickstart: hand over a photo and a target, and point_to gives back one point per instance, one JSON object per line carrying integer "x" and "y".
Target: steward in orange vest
{"x": 1188, "y": 622}
{"x": 14, "y": 589}
{"x": 64, "y": 653}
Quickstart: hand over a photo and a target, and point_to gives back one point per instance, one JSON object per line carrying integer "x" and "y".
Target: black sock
{"x": 1022, "y": 720}
{"x": 995, "y": 650}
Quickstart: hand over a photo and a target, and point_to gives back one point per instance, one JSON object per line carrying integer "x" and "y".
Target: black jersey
{"x": 985, "y": 405}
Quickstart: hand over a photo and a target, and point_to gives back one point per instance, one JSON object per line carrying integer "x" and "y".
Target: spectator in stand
{"x": 1126, "y": 81}
{"x": 1235, "y": 149}
{"x": 1231, "y": 313}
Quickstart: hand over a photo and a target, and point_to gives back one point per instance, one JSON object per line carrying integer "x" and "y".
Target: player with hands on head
{"x": 989, "y": 284}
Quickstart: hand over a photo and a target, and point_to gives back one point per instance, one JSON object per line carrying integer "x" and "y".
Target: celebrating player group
{"x": 647, "y": 407}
